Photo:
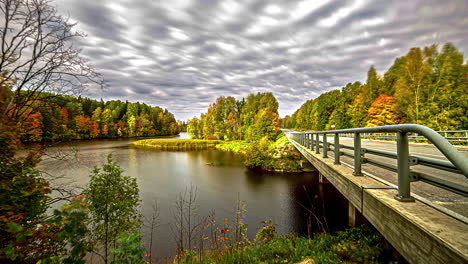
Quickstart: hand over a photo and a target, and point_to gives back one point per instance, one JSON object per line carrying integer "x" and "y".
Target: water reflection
{"x": 220, "y": 178}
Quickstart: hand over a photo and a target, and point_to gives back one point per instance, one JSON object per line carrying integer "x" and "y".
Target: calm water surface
{"x": 219, "y": 178}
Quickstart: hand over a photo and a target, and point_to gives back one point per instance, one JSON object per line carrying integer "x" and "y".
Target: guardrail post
{"x": 404, "y": 194}
{"x": 337, "y": 148}
{"x": 325, "y": 146}
{"x": 317, "y": 144}
{"x": 308, "y": 141}
{"x": 312, "y": 142}
{"x": 357, "y": 155}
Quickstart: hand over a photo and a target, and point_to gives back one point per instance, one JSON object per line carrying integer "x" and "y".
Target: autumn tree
{"x": 31, "y": 127}
{"x": 94, "y": 129}
{"x": 383, "y": 111}
{"x": 193, "y": 128}
{"x": 252, "y": 105}
{"x": 232, "y": 127}
{"x": 23, "y": 192}
{"x": 447, "y": 100}
{"x": 64, "y": 116}
{"x": 342, "y": 116}
{"x": 266, "y": 124}
{"x": 366, "y": 96}
{"x": 82, "y": 124}
{"x": 413, "y": 84}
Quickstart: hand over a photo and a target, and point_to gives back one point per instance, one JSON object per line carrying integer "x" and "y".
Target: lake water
{"x": 219, "y": 178}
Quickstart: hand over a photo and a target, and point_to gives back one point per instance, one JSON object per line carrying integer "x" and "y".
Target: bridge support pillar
{"x": 322, "y": 179}
{"x": 355, "y": 218}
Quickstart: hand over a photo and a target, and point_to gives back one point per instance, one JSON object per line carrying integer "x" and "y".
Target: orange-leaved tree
{"x": 94, "y": 129}
{"x": 383, "y": 111}
{"x": 31, "y": 127}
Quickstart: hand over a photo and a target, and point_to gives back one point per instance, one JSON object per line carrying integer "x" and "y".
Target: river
{"x": 219, "y": 178}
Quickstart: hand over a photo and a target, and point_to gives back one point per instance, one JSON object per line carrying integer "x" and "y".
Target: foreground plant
{"x": 129, "y": 249}
{"x": 113, "y": 202}
{"x": 356, "y": 245}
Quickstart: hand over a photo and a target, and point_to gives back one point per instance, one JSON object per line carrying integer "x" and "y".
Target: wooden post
{"x": 355, "y": 218}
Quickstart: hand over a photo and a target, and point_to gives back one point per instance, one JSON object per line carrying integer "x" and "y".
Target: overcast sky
{"x": 182, "y": 55}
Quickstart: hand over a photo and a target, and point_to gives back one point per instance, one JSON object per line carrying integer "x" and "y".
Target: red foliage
{"x": 94, "y": 129}
{"x": 64, "y": 116}
{"x": 211, "y": 138}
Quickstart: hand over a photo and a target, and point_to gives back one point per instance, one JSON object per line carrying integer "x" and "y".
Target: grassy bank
{"x": 264, "y": 154}
{"x": 355, "y": 245}
{"x": 237, "y": 146}
{"x": 177, "y": 144}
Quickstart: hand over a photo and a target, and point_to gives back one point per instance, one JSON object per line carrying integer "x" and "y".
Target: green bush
{"x": 256, "y": 156}
{"x": 129, "y": 249}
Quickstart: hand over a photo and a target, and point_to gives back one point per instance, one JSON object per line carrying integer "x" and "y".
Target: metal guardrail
{"x": 453, "y": 136}
{"x": 457, "y": 163}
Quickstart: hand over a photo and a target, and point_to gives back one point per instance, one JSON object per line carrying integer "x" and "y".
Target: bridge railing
{"x": 459, "y": 137}
{"x": 456, "y": 163}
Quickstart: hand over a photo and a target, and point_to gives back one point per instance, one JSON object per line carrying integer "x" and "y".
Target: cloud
{"x": 182, "y": 55}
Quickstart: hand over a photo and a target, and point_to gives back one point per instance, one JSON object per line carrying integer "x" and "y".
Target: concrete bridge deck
{"x": 419, "y": 232}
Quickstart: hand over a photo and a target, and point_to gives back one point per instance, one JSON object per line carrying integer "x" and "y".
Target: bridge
{"x": 415, "y": 197}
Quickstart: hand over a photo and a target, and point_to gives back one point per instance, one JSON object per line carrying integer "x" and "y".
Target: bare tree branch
{"x": 38, "y": 54}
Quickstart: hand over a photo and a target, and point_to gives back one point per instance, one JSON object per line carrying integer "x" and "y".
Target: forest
{"x": 62, "y": 118}
{"x": 250, "y": 119}
{"x": 427, "y": 86}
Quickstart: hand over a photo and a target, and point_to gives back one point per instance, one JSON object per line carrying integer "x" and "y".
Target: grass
{"x": 178, "y": 144}
{"x": 238, "y": 146}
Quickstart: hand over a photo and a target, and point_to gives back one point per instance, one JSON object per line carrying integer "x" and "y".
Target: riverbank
{"x": 355, "y": 245}
{"x": 278, "y": 156}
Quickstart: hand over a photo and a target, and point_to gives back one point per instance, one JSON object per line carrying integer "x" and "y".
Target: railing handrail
{"x": 456, "y": 162}
{"x": 449, "y": 151}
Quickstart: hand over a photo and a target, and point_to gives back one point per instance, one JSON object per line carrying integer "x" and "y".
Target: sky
{"x": 182, "y": 55}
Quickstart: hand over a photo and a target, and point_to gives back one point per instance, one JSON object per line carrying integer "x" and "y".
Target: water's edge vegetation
{"x": 361, "y": 244}
{"x": 279, "y": 155}
{"x": 178, "y": 144}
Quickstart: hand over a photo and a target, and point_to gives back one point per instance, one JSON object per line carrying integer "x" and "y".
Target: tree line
{"x": 248, "y": 119}
{"x": 67, "y": 117}
{"x": 427, "y": 86}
